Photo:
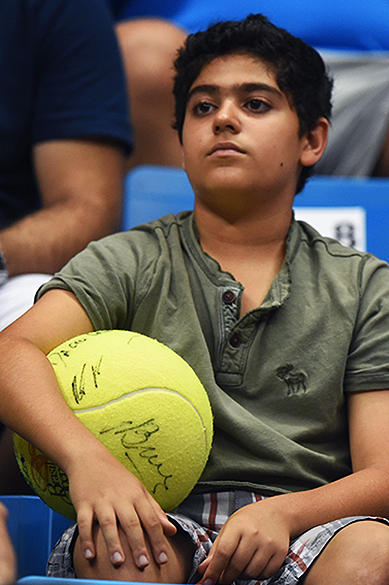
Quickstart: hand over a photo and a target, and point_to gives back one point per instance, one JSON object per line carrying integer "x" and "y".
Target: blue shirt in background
{"x": 334, "y": 24}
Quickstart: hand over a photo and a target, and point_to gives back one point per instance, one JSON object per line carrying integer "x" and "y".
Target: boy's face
{"x": 240, "y": 130}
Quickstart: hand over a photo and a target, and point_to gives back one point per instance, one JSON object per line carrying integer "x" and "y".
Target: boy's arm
{"x": 254, "y": 541}
{"x": 32, "y": 404}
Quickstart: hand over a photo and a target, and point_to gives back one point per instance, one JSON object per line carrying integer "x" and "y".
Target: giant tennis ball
{"x": 144, "y": 403}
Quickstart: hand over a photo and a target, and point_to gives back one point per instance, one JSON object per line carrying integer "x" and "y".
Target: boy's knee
{"x": 176, "y": 570}
{"x": 366, "y": 550}
{"x": 358, "y": 553}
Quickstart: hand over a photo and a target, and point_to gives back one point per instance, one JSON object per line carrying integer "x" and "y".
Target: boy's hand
{"x": 252, "y": 544}
{"x": 104, "y": 491}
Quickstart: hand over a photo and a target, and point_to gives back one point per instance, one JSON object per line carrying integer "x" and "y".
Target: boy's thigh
{"x": 359, "y": 553}
{"x": 175, "y": 570}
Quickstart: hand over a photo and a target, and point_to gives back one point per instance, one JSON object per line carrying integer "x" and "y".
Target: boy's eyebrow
{"x": 205, "y": 88}
{"x": 250, "y": 87}
{"x": 244, "y": 87}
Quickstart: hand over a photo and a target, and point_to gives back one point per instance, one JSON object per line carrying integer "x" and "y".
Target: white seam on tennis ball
{"x": 124, "y": 396}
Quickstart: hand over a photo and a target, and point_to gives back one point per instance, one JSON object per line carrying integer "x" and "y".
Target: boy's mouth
{"x": 226, "y": 147}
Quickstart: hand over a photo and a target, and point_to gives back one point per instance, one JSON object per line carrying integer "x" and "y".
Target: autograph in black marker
{"x": 135, "y": 440}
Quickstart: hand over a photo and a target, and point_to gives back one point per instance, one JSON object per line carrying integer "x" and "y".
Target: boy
{"x": 288, "y": 331}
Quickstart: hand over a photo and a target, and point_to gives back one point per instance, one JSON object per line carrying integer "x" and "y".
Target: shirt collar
{"x": 281, "y": 285}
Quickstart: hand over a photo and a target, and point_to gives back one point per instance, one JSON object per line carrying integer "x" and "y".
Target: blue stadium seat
{"x": 154, "y": 191}
{"x": 333, "y": 205}
{"x": 37, "y": 580}
{"x": 34, "y": 529}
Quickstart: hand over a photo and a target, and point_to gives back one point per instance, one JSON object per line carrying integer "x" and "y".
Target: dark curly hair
{"x": 300, "y": 70}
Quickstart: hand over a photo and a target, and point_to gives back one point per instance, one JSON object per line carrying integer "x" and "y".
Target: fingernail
{"x": 88, "y": 554}
{"x": 117, "y": 558}
{"x": 162, "y": 558}
{"x": 143, "y": 561}
{"x": 207, "y": 582}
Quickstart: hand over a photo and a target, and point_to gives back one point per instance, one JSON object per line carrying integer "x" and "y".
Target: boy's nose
{"x": 226, "y": 118}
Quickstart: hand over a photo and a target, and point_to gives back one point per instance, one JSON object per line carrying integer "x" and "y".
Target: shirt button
{"x": 229, "y": 297}
{"x": 235, "y": 340}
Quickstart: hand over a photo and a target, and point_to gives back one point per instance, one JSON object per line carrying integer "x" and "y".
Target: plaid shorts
{"x": 202, "y": 517}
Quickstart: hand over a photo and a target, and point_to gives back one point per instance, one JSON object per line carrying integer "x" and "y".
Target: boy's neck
{"x": 254, "y": 228}
{"x": 251, "y": 247}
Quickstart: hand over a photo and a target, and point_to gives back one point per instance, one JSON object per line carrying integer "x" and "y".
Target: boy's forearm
{"x": 32, "y": 403}
{"x": 361, "y": 493}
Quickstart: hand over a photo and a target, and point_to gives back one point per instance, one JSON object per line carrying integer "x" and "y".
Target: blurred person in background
{"x": 67, "y": 141}
{"x": 7, "y": 555}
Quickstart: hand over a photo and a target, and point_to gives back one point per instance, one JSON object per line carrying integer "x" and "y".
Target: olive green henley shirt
{"x": 276, "y": 376}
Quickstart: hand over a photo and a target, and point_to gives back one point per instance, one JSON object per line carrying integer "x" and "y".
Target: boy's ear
{"x": 314, "y": 143}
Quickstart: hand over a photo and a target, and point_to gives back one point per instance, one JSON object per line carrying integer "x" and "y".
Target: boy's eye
{"x": 257, "y": 105}
{"x": 202, "y": 108}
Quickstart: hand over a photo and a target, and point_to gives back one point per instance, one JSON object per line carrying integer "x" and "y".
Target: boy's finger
{"x": 85, "y": 523}
{"x": 202, "y": 568}
{"x": 234, "y": 568}
{"x": 168, "y": 527}
{"x": 214, "y": 570}
{"x": 150, "y": 529}
{"x": 219, "y": 559}
{"x": 110, "y": 531}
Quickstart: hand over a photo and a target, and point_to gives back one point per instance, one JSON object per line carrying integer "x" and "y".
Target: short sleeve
{"x": 368, "y": 360}
{"x": 110, "y": 277}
